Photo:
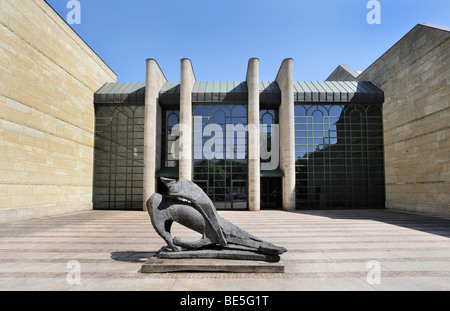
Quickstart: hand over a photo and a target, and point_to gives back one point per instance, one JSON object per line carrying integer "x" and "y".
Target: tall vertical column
{"x": 187, "y": 82}
{"x": 285, "y": 80}
{"x": 254, "y": 174}
{"x": 154, "y": 80}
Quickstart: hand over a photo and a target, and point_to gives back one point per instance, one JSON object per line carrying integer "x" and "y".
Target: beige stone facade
{"x": 48, "y": 78}
{"x": 415, "y": 76}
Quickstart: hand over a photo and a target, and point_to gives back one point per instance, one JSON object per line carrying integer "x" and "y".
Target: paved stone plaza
{"x": 327, "y": 250}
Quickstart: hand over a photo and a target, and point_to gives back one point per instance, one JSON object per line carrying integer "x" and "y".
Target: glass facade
{"x": 119, "y": 157}
{"x": 339, "y": 156}
{"x": 219, "y": 170}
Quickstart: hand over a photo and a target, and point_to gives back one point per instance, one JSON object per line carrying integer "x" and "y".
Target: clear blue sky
{"x": 220, "y": 36}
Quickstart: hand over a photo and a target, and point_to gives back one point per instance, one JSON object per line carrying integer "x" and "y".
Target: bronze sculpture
{"x": 188, "y": 205}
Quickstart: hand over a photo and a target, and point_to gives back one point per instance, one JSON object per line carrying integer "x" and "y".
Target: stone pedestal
{"x": 162, "y": 265}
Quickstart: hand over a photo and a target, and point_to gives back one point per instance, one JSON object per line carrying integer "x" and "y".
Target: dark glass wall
{"x": 119, "y": 157}
{"x": 339, "y": 156}
{"x": 222, "y": 175}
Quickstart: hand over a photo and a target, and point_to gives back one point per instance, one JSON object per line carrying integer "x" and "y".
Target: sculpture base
{"x": 229, "y": 251}
{"x": 160, "y": 265}
{"x": 234, "y": 259}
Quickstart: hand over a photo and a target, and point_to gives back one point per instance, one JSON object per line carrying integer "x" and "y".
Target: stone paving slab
{"x": 327, "y": 250}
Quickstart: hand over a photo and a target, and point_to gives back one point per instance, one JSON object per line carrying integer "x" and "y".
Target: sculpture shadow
{"x": 129, "y": 256}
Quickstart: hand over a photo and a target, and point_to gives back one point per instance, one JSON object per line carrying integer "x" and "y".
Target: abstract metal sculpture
{"x": 188, "y": 205}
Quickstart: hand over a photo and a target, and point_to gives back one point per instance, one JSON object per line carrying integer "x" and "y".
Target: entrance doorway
{"x": 271, "y": 196}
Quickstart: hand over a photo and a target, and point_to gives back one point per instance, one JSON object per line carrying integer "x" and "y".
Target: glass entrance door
{"x": 271, "y": 197}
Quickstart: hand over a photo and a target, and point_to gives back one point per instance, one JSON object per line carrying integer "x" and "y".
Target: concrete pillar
{"x": 253, "y": 143}
{"x": 187, "y": 82}
{"x": 154, "y": 81}
{"x": 285, "y": 80}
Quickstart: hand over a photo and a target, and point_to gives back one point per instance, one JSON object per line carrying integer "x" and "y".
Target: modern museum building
{"x": 72, "y": 138}
{"x": 326, "y": 140}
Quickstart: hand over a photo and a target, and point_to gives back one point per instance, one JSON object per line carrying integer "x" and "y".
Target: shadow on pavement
{"x": 414, "y": 221}
{"x": 129, "y": 256}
